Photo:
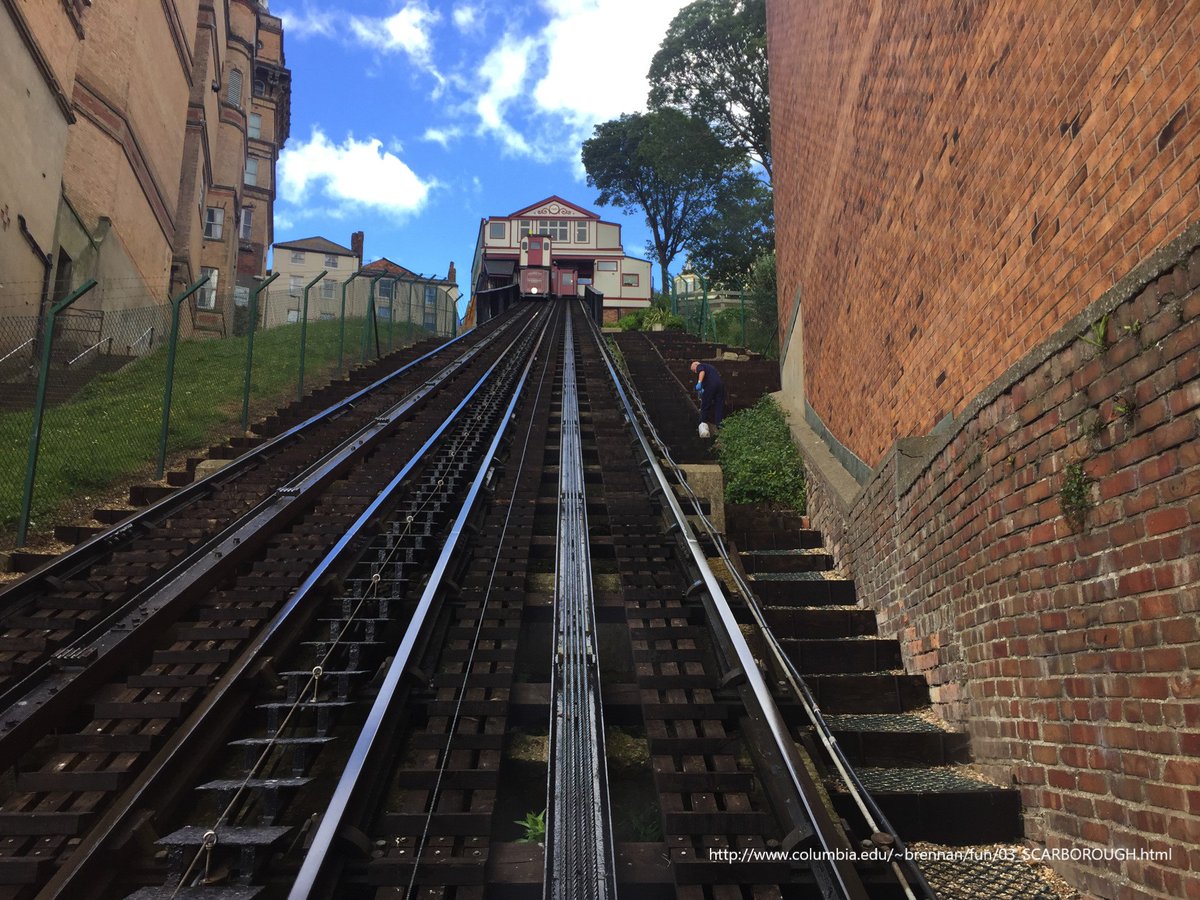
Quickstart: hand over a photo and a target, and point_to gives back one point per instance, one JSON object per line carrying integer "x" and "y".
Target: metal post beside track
{"x": 169, "y": 384}
{"x": 304, "y": 332}
{"x": 258, "y": 289}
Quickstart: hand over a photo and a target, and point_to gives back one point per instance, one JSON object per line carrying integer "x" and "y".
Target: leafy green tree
{"x": 762, "y": 307}
{"x": 713, "y": 64}
{"x": 669, "y": 165}
{"x": 738, "y": 231}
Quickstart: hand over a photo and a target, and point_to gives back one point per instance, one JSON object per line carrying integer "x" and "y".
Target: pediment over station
{"x": 555, "y": 206}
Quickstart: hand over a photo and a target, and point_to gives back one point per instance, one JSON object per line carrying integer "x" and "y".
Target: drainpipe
{"x": 47, "y": 265}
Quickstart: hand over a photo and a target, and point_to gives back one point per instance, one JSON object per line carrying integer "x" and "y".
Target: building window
{"x": 260, "y": 88}
{"x": 251, "y": 170}
{"x": 629, "y": 281}
{"x": 206, "y": 297}
{"x": 430, "y": 318}
{"x": 385, "y": 289}
{"x": 295, "y": 285}
{"x": 328, "y": 289}
{"x": 293, "y": 316}
{"x": 496, "y": 231}
{"x": 241, "y": 295}
{"x": 523, "y": 227}
{"x": 297, "y": 256}
{"x": 331, "y": 261}
{"x": 558, "y": 229}
{"x": 606, "y": 265}
{"x": 326, "y": 317}
{"x": 254, "y": 126}
{"x": 581, "y": 230}
{"x": 214, "y": 223}
{"x": 233, "y": 90}
{"x": 247, "y": 228}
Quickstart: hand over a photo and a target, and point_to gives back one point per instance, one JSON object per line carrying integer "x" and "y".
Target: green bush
{"x": 758, "y": 458}
{"x": 633, "y": 321}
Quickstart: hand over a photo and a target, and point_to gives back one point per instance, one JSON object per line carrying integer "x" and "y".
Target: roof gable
{"x": 555, "y": 205}
{"x": 384, "y": 266}
{"x": 317, "y": 245}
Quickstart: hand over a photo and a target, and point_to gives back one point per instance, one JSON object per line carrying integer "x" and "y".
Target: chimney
{"x": 451, "y": 276}
{"x": 356, "y": 244}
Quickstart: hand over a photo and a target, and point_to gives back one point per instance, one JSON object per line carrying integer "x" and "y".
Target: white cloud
{"x": 351, "y": 175}
{"x": 309, "y": 23}
{"x": 586, "y": 65}
{"x": 442, "y": 136}
{"x": 467, "y": 19}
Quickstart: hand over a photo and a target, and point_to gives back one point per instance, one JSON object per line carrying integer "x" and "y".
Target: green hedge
{"x": 758, "y": 458}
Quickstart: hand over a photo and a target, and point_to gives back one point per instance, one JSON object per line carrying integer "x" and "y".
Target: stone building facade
{"x": 988, "y": 225}
{"x": 129, "y": 159}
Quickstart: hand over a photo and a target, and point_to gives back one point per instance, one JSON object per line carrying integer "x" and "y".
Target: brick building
{"x": 139, "y": 156}
{"x": 989, "y": 254}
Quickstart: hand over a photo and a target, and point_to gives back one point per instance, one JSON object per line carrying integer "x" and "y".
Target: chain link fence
{"x": 105, "y": 388}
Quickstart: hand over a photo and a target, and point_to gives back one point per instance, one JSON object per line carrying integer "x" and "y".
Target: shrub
{"x": 758, "y": 458}
{"x": 632, "y": 322}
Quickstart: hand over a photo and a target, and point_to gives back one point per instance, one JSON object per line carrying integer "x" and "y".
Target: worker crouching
{"x": 711, "y": 389}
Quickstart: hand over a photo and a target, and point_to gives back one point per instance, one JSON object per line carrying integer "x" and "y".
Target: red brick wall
{"x": 956, "y": 180}
{"x": 1071, "y": 654}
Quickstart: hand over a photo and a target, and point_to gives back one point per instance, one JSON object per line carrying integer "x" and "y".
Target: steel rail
{"x": 580, "y": 862}
{"x": 47, "y": 686}
{"x": 87, "y": 552}
{"x": 902, "y": 862}
{"x": 70, "y": 877}
{"x": 468, "y": 665}
{"x": 843, "y": 880}
{"x": 369, "y": 743}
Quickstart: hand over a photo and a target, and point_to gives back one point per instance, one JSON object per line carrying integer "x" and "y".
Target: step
{"x": 829, "y": 656}
{"x": 259, "y": 836}
{"x": 898, "y": 739}
{"x": 819, "y": 622}
{"x": 878, "y": 692}
{"x": 215, "y": 892}
{"x": 781, "y": 561}
{"x": 802, "y": 589}
{"x": 944, "y": 805}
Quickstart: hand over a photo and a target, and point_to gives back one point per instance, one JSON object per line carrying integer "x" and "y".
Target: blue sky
{"x": 413, "y": 119}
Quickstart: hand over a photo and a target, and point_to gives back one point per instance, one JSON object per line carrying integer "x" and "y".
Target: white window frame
{"x": 331, "y": 261}
{"x": 630, "y": 279}
{"x": 494, "y": 227}
{"x": 581, "y": 232}
{"x": 295, "y": 285}
{"x": 606, "y": 265}
{"x": 214, "y": 222}
{"x": 254, "y": 126}
{"x": 250, "y": 176}
{"x": 524, "y": 226}
{"x": 246, "y": 228}
{"x": 297, "y": 256}
{"x": 206, "y": 297}
{"x": 328, "y": 289}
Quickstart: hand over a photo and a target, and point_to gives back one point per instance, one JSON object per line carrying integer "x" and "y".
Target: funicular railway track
{"x": 337, "y": 718}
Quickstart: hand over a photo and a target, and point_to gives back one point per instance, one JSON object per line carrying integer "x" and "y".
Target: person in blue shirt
{"x": 711, "y": 389}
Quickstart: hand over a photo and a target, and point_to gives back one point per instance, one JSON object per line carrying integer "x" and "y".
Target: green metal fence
{"x": 111, "y": 381}
{"x": 734, "y": 316}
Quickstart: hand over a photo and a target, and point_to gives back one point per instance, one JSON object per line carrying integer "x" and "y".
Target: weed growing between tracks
{"x": 758, "y": 458}
{"x": 110, "y": 430}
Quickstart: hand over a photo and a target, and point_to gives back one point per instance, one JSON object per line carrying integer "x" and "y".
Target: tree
{"x": 668, "y": 164}
{"x": 737, "y": 232}
{"x": 762, "y": 307}
{"x": 713, "y": 64}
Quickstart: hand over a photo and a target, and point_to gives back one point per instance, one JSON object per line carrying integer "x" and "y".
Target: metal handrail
{"x": 870, "y": 810}
{"x": 107, "y": 340}
{"x": 15, "y": 349}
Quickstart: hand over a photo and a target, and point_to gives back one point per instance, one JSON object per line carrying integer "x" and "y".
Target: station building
{"x": 557, "y": 248}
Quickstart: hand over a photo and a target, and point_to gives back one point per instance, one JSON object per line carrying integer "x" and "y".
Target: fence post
{"x": 742, "y": 300}
{"x": 392, "y": 317}
{"x": 304, "y": 332}
{"x": 250, "y": 348}
{"x": 453, "y": 315}
{"x": 39, "y": 406}
{"x": 370, "y": 325}
{"x": 410, "y": 327}
{"x": 342, "y": 328}
{"x": 169, "y": 385}
{"x": 703, "y": 306}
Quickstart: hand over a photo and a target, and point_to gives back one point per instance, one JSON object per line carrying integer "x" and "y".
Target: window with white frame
{"x": 293, "y": 315}
{"x": 233, "y": 90}
{"x": 206, "y": 297}
{"x": 581, "y": 232}
{"x": 251, "y": 176}
{"x": 254, "y": 126}
{"x": 497, "y": 230}
{"x": 241, "y": 295}
{"x": 629, "y": 280}
{"x": 247, "y": 226}
{"x": 431, "y": 297}
{"x": 214, "y": 223}
{"x": 297, "y": 256}
{"x": 295, "y": 285}
{"x": 385, "y": 288}
{"x": 557, "y": 229}
{"x": 331, "y": 261}
{"x": 328, "y": 289}
{"x": 523, "y": 227}
{"x": 606, "y": 265}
